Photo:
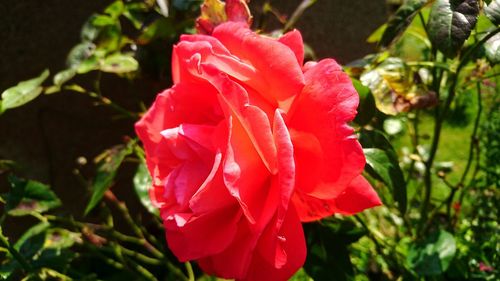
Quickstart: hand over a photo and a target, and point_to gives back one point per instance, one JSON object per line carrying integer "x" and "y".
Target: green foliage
{"x": 492, "y": 49}
{"x": 492, "y": 11}
{"x": 327, "y": 249}
{"x": 433, "y": 255}
{"x": 366, "y": 108}
{"x": 108, "y": 164}
{"x": 142, "y": 183}
{"x": 450, "y": 24}
{"x": 23, "y": 93}
{"x": 382, "y": 163}
{"x": 401, "y": 20}
{"x": 27, "y": 197}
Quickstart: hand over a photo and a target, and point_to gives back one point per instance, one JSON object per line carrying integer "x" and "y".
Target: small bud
{"x": 82, "y": 161}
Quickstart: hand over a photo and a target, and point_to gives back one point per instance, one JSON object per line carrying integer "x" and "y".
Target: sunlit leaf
{"x": 142, "y": 184}
{"x": 59, "y": 238}
{"x": 434, "y": 255}
{"x": 63, "y": 76}
{"x": 382, "y": 163}
{"x": 80, "y": 53}
{"x": 450, "y": 24}
{"x": 108, "y": 166}
{"x": 385, "y": 82}
{"x": 401, "y": 20}
{"x": 366, "y": 108}
{"x": 492, "y": 11}
{"x": 27, "y": 196}
{"x": 135, "y": 12}
{"x": 23, "y": 92}
{"x": 492, "y": 49}
{"x": 31, "y": 232}
{"x": 163, "y": 4}
{"x": 376, "y": 35}
{"x": 301, "y": 275}
{"x": 119, "y": 63}
{"x": 115, "y": 9}
{"x": 160, "y": 28}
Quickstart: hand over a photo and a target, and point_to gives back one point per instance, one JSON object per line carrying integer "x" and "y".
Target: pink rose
{"x": 246, "y": 145}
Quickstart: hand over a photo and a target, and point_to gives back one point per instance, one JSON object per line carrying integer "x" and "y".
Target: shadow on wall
{"x": 46, "y": 136}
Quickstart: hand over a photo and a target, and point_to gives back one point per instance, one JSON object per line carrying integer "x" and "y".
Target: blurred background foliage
{"x": 429, "y": 122}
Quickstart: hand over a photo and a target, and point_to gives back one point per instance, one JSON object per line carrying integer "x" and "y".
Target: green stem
{"x": 439, "y": 122}
{"x": 141, "y": 257}
{"x": 298, "y": 13}
{"x": 128, "y": 218}
{"x": 22, "y": 261}
{"x": 415, "y": 142}
{"x": 473, "y": 142}
{"x": 189, "y": 270}
{"x": 102, "y": 100}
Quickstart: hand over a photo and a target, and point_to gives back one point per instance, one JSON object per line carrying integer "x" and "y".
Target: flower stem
{"x": 17, "y": 256}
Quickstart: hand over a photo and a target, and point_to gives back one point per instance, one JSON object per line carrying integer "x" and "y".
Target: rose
{"x": 246, "y": 145}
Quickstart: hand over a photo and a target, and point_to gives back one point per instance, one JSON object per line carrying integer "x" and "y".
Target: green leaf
{"x": 31, "y": 232}
{"x": 386, "y": 82}
{"x": 492, "y": 11}
{"x": 366, "y": 108}
{"x": 383, "y": 165}
{"x": 119, "y": 63}
{"x": 136, "y": 13}
{"x": 92, "y": 63}
{"x": 327, "y": 249}
{"x": 46, "y": 246}
{"x": 64, "y": 76}
{"x": 301, "y": 275}
{"x": 60, "y": 238}
{"x": 108, "y": 166}
{"x": 434, "y": 255}
{"x": 28, "y": 197}
{"x": 492, "y": 49}
{"x": 142, "y": 184}
{"x": 159, "y": 29}
{"x": 80, "y": 53}
{"x": 450, "y": 24}
{"x": 377, "y": 34}
{"x": 23, "y": 92}
{"x": 115, "y": 9}
{"x": 398, "y": 23}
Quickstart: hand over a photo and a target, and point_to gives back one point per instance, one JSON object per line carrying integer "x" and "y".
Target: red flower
{"x": 246, "y": 145}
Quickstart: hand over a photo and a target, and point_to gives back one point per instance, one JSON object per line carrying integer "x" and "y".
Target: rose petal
{"x": 245, "y": 176}
{"x": 286, "y": 165}
{"x": 357, "y": 197}
{"x": 274, "y": 62}
{"x": 289, "y": 255}
{"x": 189, "y": 239}
{"x": 293, "y": 40}
{"x": 235, "y": 260}
{"x": 235, "y": 99}
{"x": 331, "y": 152}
